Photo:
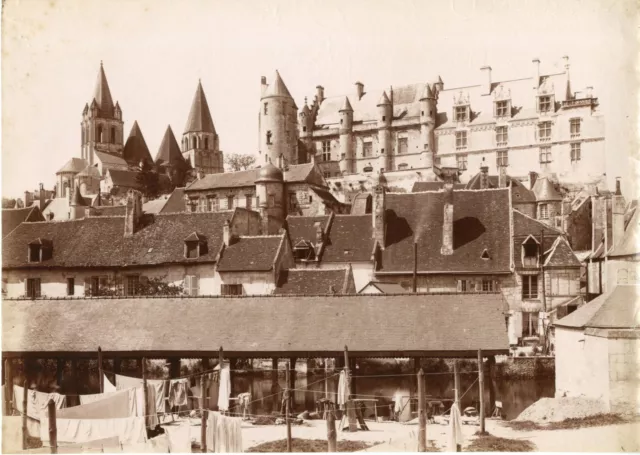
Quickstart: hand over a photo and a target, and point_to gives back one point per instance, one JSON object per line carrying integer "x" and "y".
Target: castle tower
{"x": 278, "y": 123}
{"x": 101, "y": 126}
{"x": 200, "y": 144}
{"x": 270, "y": 193}
{"x": 347, "y": 158}
{"x": 427, "y": 125}
{"x": 385, "y": 116}
{"x": 306, "y": 130}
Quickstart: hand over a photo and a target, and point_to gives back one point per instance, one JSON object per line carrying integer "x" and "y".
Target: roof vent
{"x": 485, "y": 254}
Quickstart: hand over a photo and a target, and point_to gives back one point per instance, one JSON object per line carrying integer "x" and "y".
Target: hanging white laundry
{"x": 455, "y": 428}
{"x": 224, "y": 434}
{"x": 343, "y": 389}
{"x": 129, "y": 430}
{"x": 179, "y": 437}
{"x": 116, "y": 405}
{"x": 36, "y": 401}
{"x": 127, "y": 382}
{"x": 107, "y": 385}
{"x": 225, "y": 388}
{"x": 12, "y": 434}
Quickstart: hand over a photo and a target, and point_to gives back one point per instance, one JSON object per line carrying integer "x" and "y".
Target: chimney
{"x": 27, "y": 199}
{"x": 484, "y": 177}
{"x": 319, "y": 93}
{"x": 200, "y": 174}
{"x": 133, "y": 213}
{"x": 415, "y": 267}
{"x": 533, "y": 176}
{"x": 281, "y": 162}
{"x": 391, "y": 94}
{"x": 486, "y": 90}
{"x": 41, "y": 197}
{"x": 536, "y": 73}
{"x": 447, "y": 221}
{"x": 502, "y": 176}
{"x": 378, "y": 215}
{"x": 589, "y": 93}
{"x": 618, "y": 210}
{"x": 359, "y": 89}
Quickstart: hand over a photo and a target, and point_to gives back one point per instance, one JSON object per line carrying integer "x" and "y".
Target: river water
{"x": 515, "y": 394}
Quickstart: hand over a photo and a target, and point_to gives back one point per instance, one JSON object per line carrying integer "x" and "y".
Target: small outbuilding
{"x": 598, "y": 351}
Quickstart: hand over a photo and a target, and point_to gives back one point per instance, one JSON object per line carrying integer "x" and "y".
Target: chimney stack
{"x": 41, "y": 197}
{"x": 484, "y": 177}
{"x": 536, "y": 73}
{"x": 447, "y": 220}
{"x": 319, "y": 93}
{"x": 533, "y": 176}
{"x": 502, "y": 176}
{"x": 391, "y": 94}
{"x": 359, "y": 89}
{"x": 378, "y": 215}
{"x": 133, "y": 213}
{"x": 618, "y": 210}
{"x": 589, "y": 92}
{"x": 486, "y": 90}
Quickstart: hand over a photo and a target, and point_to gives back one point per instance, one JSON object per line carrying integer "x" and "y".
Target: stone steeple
{"x": 199, "y": 116}
{"x": 102, "y": 95}
{"x": 135, "y": 149}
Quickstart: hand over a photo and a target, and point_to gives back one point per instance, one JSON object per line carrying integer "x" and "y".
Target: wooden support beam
{"x": 287, "y": 405}
{"x": 491, "y": 361}
{"x": 203, "y": 412}
{"x": 145, "y": 391}
{"x": 331, "y": 430}
{"x": 53, "y": 427}
{"x": 456, "y": 378}
{"x": 100, "y": 372}
{"x": 422, "y": 413}
{"x": 24, "y": 414}
{"x": 481, "y": 390}
{"x": 8, "y": 386}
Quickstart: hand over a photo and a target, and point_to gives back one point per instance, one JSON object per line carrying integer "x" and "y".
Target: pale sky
{"x": 154, "y": 52}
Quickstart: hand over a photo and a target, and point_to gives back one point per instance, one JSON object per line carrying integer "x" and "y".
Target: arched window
{"x": 268, "y": 137}
{"x": 113, "y": 134}
{"x": 82, "y": 143}
{"x": 194, "y": 143}
{"x": 206, "y": 143}
{"x": 99, "y": 133}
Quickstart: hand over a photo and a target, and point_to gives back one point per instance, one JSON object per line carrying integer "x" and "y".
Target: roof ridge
{"x": 538, "y": 221}
{"x": 337, "y": 269}
{"x": 259, "y": 236}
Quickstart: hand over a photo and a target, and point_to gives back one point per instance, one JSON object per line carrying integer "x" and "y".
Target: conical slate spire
{"x": 426, "y": 93}
{"x": 102, "y": 94}
{"x": 169, "y": 152}
{"x": 384, "y": 99}
{"x": 346, "y": 106}
{"x": 135, "y": 149}
{"x": 277, "y": 88}
{"x": 199, "y": 117}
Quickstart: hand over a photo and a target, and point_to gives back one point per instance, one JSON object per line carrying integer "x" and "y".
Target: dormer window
{"x": 502, "y": 108}
{"x": 304, "y": 251}
{"x": 461, "y": 113}
{"x": 40, "y": 250}
{"x": 461, "y": 109}
{"x": 195, "y": 246}
{"x": 544, "y": 103}
{"x": 530, "y": 249}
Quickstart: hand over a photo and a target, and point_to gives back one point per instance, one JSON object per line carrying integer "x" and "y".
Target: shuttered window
{"x": 231, "y": 289}
{"x": 191, "y": 284}
{"x": 32, "y": 288}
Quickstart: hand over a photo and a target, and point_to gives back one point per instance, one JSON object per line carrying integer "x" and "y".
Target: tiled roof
{"x": 481, "y": 221}
{"x": 295, "y": 173}
{"x": 524, "y": 225}
{"x": 419, "y": 187}
{"x": 169, "y": 153}
{"x": 544, "y": 190}
{"x": 324, "y": 195}
{"x": 315, "y": 281}
{"x": 175, "y": 203}
{"x": 617, "y": 309}
{"x": 102, "y": 94}
{"x": 251, "y": 325}
{"x": 386, "y": 288}
{"x": 303, "y": 227}
{"x": 350, "y": 239}
{"x": 74, "y": 165}
{"x": 110, "y": 159}
{"x": 156, "y": 205}
{"x": 109, "y": 210}
{"x": 519, "y": 192}
{"x": 124, "y": 179}
{"x": 199, "y": 116}
{"x": 100, "y": 241}
{"x": 135, "y": 149}
{"x": 90, "y": 171}
{"x": 630, "y": 240}
{"x": 251, "y": 253}
{"x": 11, "y": 218}
{"x": 561, "y": 255}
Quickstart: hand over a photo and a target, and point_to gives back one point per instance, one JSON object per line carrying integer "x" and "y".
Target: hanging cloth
{"x": 12, "y": 434}
{"x": 343, "y": 389}
{"x": 455, "y": 428}
{"x": 129, "y": 430}
{"x": 225, "y": 388}
{"x": 107, "y": 385}
{"x": 224, "y": 434}
{"x": 117, "y": 405}
{"x": 178, "y": 392}
{"x": 127, "y": 382}
{"x": 36, "y": 401}
{"x": 179, "y": 438}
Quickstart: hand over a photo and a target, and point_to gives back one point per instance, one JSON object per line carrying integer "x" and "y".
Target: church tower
{"x": 200, "y": 143}
{"x": 102, "y": 125}
{"x": 278, "y": 124}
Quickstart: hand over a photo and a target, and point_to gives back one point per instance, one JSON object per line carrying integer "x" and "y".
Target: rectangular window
{"x": 33, "y": 288}
{"x": 574, "y": 125}
{"x": 502, "y": 158}
{"x": 34, "y": 253}
{"x": 193, "y": 205}
{"x": 487, "y": 285}
{"x": 266, "y": 108}
{"x": 212, "y": 204}
{"x": 502, "y": 135}
{"x": 461, "y": 113}
{"x": 529, "y": 324}
{"x": 462, "y": 162}
{"x": 575, "y": 152}
{"x": 202, "y": 204}
{"x": 326, "y": 174}
{"x": 191, "y": 284}
{"x": 132, "y": 284}
{"x": 248, "y": 201}
{"x": 230, "y": 202}
{"x": 402, "y": 166}
{"x": 544, "y": 103}
{"x": 530, "y": 286}
{"x": 544, "y": 211}
{"x": 461, "y": 139}
{"x": 545, "y": 155}
{"x": 367, "y": 149}
{"x": 326, "y": 150}
{"x": 544, "y": 131}
{"x": 268, "y": 137}
{"x": 191, "y": 250}
{"x": 231, "y": 289}
{"x": 403, "y": 145}
{"x": 501, "y": 108}
{"x": 71, "y": 286}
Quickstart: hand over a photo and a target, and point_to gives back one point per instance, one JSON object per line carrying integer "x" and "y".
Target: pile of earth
{"x": 558, "y": 409}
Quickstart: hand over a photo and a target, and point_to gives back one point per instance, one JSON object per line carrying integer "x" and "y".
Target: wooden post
{"x": 491, "y": 360}
{"x": 24, "y": 411}
{"x": 331, "y": 429}
{"x": 53, "y": 429}
{"x": 292, "y": 382}
{"x": 8, "y": 387}
{"x": 422, "y": 414}
{"x": 145, "y": 391}
{"x": 326, "y": 380}
{"x": 351, "y": 411}
{"x": 481, "y": 390}
{"x": 203, "y": 428}
{"x": 100, "y": 373}
{"x": 456, "y": 379}
{"x": 352, "y": 368}
{"x": 287, "y": 407}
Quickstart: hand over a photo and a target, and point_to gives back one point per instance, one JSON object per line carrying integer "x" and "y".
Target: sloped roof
{"x": 100, "y": 241}
{"x": 108, "y": 159}
{"x": 361, "y": 204}
{"x": 303, "y": 227}
{"x": 617, "y": 309}
{"x": 544, "y": 190}
{"x": 11, "y": 218}
{"x": 102, "y": 94}
{"x": 199, "y": 116}
{"x": 561, "y": 255}
{"x": 124, "y": 179}
{"x": 175, "y": 203}
{"x": 135, "y": 149}
{"x": 78, "y": 200}
{"x": 519, "y": 192}
{"x": 109, "y": 210}
{"x": 630, "y": 239}
{"x": 315, "y": 282}
{"x": 350, "y": 239}
{"x": 419, "y": 187}
{"x": 251, "y": 253}
{"x": 74, "y": 165}
{"x": 386, "y": 288}
{"x": 277, "y": 88}
{"x": 90, "y": 171}
{"x": 249, "y": 325}
{"x": 524, "y": 225}
{"x": 480, "y": 221}
{"x": 169, "y": 151}
{"x": 155, "y": 205}
{"x": 324, "y": 195}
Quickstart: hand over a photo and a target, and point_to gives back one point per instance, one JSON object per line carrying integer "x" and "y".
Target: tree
{"x": 155, "y": 286}
{"x": 148, "y": 181}
{"x": 8, "y": 203}
{"x": 238, "y": 162}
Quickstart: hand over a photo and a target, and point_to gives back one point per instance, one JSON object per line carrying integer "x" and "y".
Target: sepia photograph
{"x": 320, "y": 226}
